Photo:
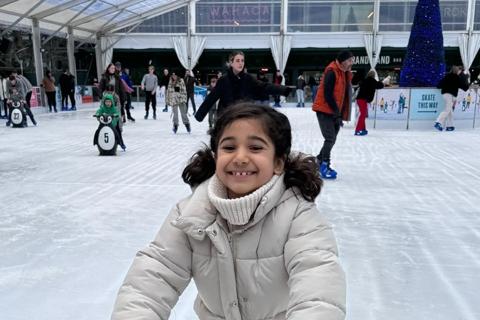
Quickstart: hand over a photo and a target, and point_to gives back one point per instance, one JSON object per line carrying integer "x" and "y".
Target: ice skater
{"x": 250, "y": 234}
{"x": 365, "y": 96}
{"x": 149, "y": 85}
{"x": 449, "y": 85}
{"x": 332, "y": 106}
{"x": 108, "y": 107}
{"x": 236, "y": 85}
{"x": 176, "y": 96}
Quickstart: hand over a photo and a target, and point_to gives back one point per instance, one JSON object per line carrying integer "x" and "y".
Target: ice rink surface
{"x": 405, "y": 210}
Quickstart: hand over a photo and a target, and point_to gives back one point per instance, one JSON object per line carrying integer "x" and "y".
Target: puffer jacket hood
{"x": 281, "y": 265}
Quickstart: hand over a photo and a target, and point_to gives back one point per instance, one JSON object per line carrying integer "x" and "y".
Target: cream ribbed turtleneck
{"x": 236, "y": 211}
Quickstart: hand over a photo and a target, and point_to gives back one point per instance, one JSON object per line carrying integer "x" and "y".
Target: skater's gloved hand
{"x": 339, "y": 121}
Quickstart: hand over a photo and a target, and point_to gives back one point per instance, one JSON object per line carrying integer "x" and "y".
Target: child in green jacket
{"x": 108, "y": 107}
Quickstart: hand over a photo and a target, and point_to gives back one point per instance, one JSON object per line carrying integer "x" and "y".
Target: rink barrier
{"x": 412, "y": 104}
{"x": 396, "y": 104}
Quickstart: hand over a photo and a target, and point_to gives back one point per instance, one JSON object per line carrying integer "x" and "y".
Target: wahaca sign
{"x": 241, "y": 14}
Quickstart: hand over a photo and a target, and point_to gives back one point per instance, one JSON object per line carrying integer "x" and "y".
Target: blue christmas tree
{"x": 424, "y": 63}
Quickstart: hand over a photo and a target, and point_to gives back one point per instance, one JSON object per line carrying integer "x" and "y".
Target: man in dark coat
{"x": 190, "y": 85}
{"x": 67, "y": 89}
{"x": 164, "y": 83}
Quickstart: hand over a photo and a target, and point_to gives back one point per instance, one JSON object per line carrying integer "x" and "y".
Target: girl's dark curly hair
{"x": 301, "y": 171}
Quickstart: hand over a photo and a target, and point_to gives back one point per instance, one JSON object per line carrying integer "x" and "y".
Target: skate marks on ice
{"x": 405, "y": 212}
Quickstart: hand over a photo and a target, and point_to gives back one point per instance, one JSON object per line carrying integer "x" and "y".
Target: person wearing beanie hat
{"x": 332, "y": 106}
{"x": 344, "y": 55}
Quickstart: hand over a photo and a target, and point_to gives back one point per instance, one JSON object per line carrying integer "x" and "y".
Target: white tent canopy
{"x": 82, "y": 20}
{"x": 86, "y": 17}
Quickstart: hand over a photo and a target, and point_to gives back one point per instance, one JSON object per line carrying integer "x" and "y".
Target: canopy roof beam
{"x": 144, "y": 16}
{"x": 26, "y": 14}
{"x": 102, "y": 13}
{"x": 6, "y": 2}
{"x": 66, "y": 23}
{"x": 67, "y": 5}
{"x": 94, "y": 33}
{"x": 16, "y": 14}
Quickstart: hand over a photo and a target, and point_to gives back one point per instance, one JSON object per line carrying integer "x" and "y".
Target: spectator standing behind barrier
{"x": 332, "y": 106}
{"x": 365, "y": 95}
{"x": 149, "y": 84}
{"x": 236, "y": 85}
{"x": 48, "y": 84}
{"x": 277, "y": 80}
{"x": 190, "y": 85}
{"x": 250, "y": 234}
{"x": 164, "y": 83}
{"x": 449, "y": 85}
{"x": 67, "y": 89}
{"x": 177, "y": 99}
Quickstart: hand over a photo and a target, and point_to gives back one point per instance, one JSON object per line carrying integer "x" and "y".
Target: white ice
{"x": 405, "y": 210}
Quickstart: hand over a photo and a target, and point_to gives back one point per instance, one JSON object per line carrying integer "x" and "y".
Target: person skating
{"x": 250, "y": 234}
{"x": 277, "y": 80}
{"x": 190, "y": 85}
{"x": 300, "y": 86}
{"x": 177, "y": 99}
{"x": 212, "y": 114}
{"x": 332, "y": 106}
{"x": 111, "y": 78}
{"x": 164, "y": 83}
{"x": 449, "y": 86}
{"x": 366, "y": 93}
{"x": 16, "y": 82}
{"x": 236, "y": 85}
{"x": 149, "y": 84}
{"x": 107, "y": 106}
{"x": 127, "y": 87}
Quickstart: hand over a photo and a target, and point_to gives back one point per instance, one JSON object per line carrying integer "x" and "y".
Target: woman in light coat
{"x": 250, "y": 234}
{"x": 176, "y": 97}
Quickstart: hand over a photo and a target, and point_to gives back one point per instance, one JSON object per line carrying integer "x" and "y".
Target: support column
{"x": 283, "y": 17}
{"x": 190, "y": 31}
{"x": 376, "y": 26}
{"x": 37, "y": 56}
{"x": 72, "y": 66}
{"x": 98, "y": 56}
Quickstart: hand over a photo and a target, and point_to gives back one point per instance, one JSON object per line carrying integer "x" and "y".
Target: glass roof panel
{"x": 129, "y": 11}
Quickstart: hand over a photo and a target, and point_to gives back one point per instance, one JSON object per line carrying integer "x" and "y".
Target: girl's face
{"x": 238, "y": 63}
{"x": 111, "y": 69}
{"x": 108, "y": 103}
{"x": 245, "y": 159}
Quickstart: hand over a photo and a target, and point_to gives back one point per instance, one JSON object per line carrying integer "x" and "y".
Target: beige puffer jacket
{"x": 282, "y": 265}
{"x": 176, "y": 98}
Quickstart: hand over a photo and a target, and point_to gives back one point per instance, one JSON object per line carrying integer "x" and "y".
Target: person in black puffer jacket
{"x": 449, "y": 85}
{"x": 236, "y": 85}
{"x": 366, "y": 92}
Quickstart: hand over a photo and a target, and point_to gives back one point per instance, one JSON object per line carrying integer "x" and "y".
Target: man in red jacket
{"x": 332, "y": 106}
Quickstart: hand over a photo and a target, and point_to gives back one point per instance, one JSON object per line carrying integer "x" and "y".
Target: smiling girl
{"x": 249, "y": 235}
